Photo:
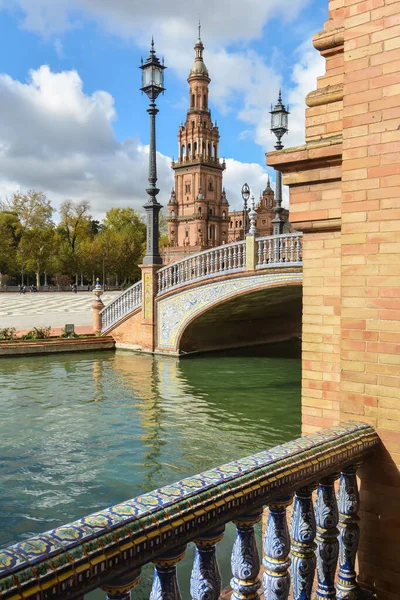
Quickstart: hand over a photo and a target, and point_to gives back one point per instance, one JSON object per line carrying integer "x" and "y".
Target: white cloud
{"x": 56, "y": 139}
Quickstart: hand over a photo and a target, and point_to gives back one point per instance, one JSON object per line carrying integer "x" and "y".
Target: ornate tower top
{"x": 199, "y": 69}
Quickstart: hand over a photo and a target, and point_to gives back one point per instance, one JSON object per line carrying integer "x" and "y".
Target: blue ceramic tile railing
{"x": 107, "y": 549}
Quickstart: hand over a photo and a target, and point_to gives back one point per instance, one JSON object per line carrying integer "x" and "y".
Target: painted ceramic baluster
{"x": 205, "y": 582}
{"x": 276, "y": 577}
{"x": 165, "y": 581}
{"x": 245, "y": 561}
{"x": 302, "y": 532}
{"x": 120, "y": 588}
{"x": 349, "y": 501}
{"x": 327, "y": 517}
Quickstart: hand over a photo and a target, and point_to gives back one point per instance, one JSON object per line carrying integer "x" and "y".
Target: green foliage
{"x": 37, "y": 333}
{"x": 8, "y": 333}
{"x": 64, "y": 334}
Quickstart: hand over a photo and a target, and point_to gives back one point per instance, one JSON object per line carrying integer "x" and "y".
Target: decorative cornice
{"x": 328, "y": 40}
{"x": 326, "y": 95}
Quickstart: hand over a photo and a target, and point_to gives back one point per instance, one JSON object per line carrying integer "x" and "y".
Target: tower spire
{"x": 199, "y": 30}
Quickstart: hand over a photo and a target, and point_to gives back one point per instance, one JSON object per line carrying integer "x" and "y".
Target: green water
{"x": 80, "y": 432}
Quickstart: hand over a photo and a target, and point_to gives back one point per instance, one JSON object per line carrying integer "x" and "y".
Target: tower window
{"x": 192, "y": 102}
{"x": 210, "y": 211}
{"x": 187, "y": 188}
{"x": 199, "y": 210}
{"x": 210, "y": 186}
{"x": 205, "y": 101}
{"x": 224, "y": 214}
{"x": 240, "y": 223}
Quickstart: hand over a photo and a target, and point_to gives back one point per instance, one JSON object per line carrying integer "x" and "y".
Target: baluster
{"x": 302, "y": 531}
{"x": 198, "y": 266}
{"x": 203, "y": 265}
{"x": 281, "y": 249}
{"x": 225, "y": 260}
{"x": 183, "y": 273}
{"x": 270, "y": 251}
{"x": 244, "y": 255}
{"x": 292, "y": 242}
{"x": 187, "y": 270}
{"x": 230, "y": 258}
{"x": 276, "y": 577}
{"x": 205, "y": 581}
{"x": 239, "y": 256}
{"x": 259, "y": 253}
{"x": 159, "y": 281}
{"x": 234, "y": 257}
{"x": 298, "y": 249}
{"x": 120, "y": 588}
{"x": 245, "y": 561}
{"x": 169, "y": 278}
{"x": 208, "y": 263}
{"x": 349, "y": 502}
{"x": 327, "y": 517}
{"x": 165, "y": 581}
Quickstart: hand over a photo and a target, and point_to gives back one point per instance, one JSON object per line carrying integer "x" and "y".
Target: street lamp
{"x": 152, "y": 85}
{"x": 279, "y": 126}
{"x": 22, "y": 265}
{"x": 245, "y": 196}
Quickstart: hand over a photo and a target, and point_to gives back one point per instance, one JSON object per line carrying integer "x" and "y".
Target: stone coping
{"x": 83, "y": 555}
{"x": 55, "y": 345}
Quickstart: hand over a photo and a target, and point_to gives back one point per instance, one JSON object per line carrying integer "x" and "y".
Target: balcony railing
{"x": 121, "y": 306}
{"x": 223, "y": 259}
{"x": 107, "y": 549}
{"x": 278, "y": 250}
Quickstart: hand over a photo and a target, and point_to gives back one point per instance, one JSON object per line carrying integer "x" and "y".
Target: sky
{"x": 73, "y": 122}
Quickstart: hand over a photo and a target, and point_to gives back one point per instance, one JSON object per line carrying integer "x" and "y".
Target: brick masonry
{"x": 345, "y": 185}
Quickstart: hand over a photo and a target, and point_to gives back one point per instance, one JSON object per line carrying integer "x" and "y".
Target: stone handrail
{"x": 209, "y": 263}
{"x": 278, "y": 250}
{"x": 107, "y": 549}
{"x": 121, "y": 306}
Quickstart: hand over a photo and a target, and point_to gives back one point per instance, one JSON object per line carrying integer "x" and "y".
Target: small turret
{"x": 172, "y": 199}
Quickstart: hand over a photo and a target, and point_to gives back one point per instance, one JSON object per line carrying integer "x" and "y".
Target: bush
{"x": 8, "y": 333}
{"x": 37, "y": 333}
{"x": 64, "y": 334}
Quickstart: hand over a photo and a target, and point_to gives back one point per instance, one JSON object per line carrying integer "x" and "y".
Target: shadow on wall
{"x": 380, "y": 528}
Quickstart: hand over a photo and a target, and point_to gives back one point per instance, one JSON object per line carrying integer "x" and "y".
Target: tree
{"x": 75, "y": 225}
{"x": 10, "y": 235}
{"x": 34, "y": 209}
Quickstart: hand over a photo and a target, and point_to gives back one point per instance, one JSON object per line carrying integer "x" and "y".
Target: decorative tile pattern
{"x": 176, "y": 311}
{"x": 75, "y": 555}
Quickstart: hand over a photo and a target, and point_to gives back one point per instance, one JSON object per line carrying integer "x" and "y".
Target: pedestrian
{"x": 75, "y": 288}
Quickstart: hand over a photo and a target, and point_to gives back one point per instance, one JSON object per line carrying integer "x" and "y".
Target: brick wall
{"x": 345, "y": 196}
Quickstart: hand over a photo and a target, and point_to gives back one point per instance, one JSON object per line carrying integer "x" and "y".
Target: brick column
{"x": 149, "y": 316}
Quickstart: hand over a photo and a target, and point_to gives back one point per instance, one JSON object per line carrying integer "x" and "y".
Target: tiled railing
{"x": 223, "y": 259}
{"x": 278, "y": 250}
{"x": 107, "y": 549}
{"x": 121, "y": 306}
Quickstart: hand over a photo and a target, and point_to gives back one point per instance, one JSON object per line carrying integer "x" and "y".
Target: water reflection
{"x": 81, "y": 432}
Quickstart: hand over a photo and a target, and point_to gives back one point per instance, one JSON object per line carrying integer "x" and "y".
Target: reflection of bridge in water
{"x": 238, "y": 294}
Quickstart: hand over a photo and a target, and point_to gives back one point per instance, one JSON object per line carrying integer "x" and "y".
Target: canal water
{"x": 80, "y": 432}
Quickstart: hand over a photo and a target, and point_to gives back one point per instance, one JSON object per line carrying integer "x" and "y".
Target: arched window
{"x": 195, "y": 147}
{"x": 205, "y": 101}
{"x": 189, "y": 149}
{"x": 192, "y": 103}
{"x": 224, "y": 215}
{"x": 209, "y": 149}
{"x": 236, "y": 224}
{"x": 172, "y": 213}
{"x": 210, "y": 186}
{"x": 210, "y": 211}
{"x": 183, "y": 152}
{"x": 199, "y": 210}
{"x": 240, "y": 223}
{"x": 214, "y": 151}
{"x": 230, "y": 224}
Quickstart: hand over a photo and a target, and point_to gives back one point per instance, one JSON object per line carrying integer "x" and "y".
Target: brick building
{"x": 198, "y": 209}
{"x": 344, "y": 196}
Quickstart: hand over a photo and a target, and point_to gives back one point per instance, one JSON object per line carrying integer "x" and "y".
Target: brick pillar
{"x": 149, "y": 316}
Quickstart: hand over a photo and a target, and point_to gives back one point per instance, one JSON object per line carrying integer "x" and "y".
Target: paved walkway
{"x": 43, "y": 309}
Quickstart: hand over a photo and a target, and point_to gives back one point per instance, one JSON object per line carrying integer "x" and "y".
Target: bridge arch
{"x": 184, "y": 318}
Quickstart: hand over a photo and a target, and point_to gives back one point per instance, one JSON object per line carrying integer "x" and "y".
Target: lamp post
{"x": 279, "y": 126}
{"x": 152, "y": 86}
{"x": 245, "y": 196}
{"x": 104, "y": 281}
{"x": 22, "y": 265}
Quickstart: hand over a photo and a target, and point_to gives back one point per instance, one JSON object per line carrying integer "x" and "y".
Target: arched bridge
{"x": 237, "y": 294}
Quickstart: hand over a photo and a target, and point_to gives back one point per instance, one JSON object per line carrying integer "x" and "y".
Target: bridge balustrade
{"x": 107, "y": 549}
{"x": 276, "y": 250}
{"x": 223, "y": 259}
{"x": 122, "y": 305}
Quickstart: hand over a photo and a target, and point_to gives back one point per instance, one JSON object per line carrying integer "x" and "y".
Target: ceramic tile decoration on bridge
{"x": 162, "y": 302}
{"x": 108, "y": 548}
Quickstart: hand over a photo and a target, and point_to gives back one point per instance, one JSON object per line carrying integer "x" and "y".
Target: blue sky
{"x": 74, "y": 124}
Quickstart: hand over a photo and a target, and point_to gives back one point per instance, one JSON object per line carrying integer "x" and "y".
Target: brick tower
{"x": 198, "y": 209}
